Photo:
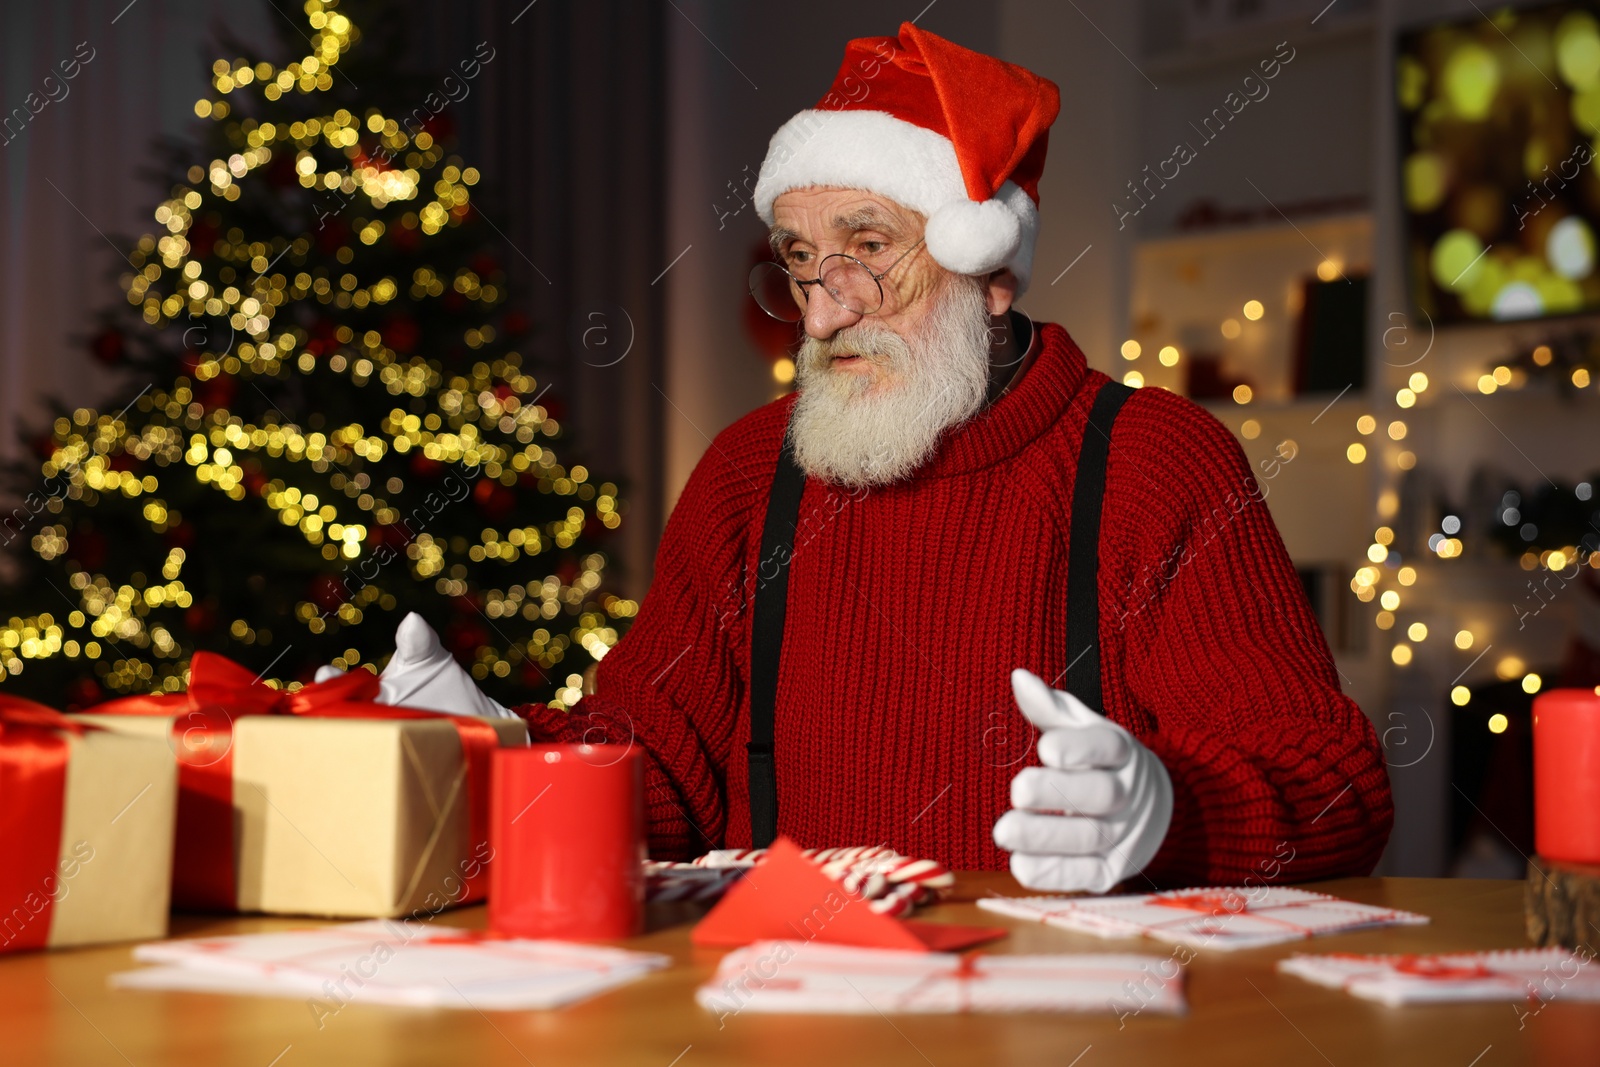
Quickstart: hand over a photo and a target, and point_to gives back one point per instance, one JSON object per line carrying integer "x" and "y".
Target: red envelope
{"x": 788, "y": 898}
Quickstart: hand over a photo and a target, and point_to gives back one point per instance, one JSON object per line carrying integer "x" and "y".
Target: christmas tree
{"x": 329, "y": 420}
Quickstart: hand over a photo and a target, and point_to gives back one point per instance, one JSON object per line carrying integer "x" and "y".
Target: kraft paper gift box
{"x": 319, "y": 802}
{"x": 86, "y": 824}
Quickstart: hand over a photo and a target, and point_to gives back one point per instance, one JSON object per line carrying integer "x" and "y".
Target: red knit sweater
{"x": 909, "y": 606}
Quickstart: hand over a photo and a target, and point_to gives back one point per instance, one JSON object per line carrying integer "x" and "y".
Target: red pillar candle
{"x": 1566, "y": 775}
{"x": 566, "y": 823}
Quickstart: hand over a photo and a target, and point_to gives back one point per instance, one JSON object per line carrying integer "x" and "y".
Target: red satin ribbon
{"x": 220, "y": 691}
{"x": 33, "y": 789}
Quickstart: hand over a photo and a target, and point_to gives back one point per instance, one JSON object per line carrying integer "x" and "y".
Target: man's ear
{"x": 999, "y": 290}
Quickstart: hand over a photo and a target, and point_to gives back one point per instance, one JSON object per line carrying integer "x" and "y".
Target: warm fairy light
{"x": 1502, "y": 375}
{"x": 1366, "y": 424}
{"x": 1498, "y": 723}
{"x": 1580, "y": 377}
{"x": 1418, "y": 382}
{"x": 1542, "y": 355}
{"x": 1377, "y": 553}
{"x": 1401, "y": 654}
{"x": 1406, "y": 575}
{"x": 1390, "y": 600}
{"x": 783, "y": 371}
{"x": 1397, "y": 430}
{"x": 1242, "y": 394}
{"x": 1463, "y": 639}
{"x": 1460, "y": 696}
{"x": 1250, "y": 429}
{"x": 1328, "y": 269}
{"x": 1168, "y": 356}
{"x": 1531, "y": 682}
{"x": 1405, "y": 460}
{"x": 1356, "y": 453}
{"x": 1253, "y": 310}
{"x": 1133, "y": 378}
{"x": 1231, "y": 328}
{"x": 1508, "y": 668}
{"x": 1385, "y": 620}
{"x": 1405, "y": 398}
{"x": 1383, "y": 535}
{"x": 1556, "y": 560}
{"x": 1417, "y": 632}
{"x": 1487, "y": 384}
{"x": 1130, "y": 349}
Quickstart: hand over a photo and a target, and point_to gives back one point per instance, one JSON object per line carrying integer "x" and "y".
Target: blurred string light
{"x": 480, "y": 424}
{"x": 1461, "y": 86}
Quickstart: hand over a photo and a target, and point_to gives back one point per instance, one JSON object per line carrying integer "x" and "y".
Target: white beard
{"x": 863, "y": 429}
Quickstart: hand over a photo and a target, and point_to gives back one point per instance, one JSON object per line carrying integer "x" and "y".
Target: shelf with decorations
{"x": 1265, "y": 326}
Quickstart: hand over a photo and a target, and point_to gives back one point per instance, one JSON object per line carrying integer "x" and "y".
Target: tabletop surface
{"x": 56, "y": 1008}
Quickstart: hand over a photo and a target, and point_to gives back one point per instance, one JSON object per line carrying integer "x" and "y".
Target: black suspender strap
{"x": 1083, "y": 554}
{"x": 772, "y": 597}
{"x": 766, "y": 640}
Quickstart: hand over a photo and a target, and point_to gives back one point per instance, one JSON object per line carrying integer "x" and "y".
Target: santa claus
{"x": 960, "y": 594}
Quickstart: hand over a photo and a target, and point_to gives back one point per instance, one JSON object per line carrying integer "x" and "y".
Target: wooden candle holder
{"x": 1561, "y": 904}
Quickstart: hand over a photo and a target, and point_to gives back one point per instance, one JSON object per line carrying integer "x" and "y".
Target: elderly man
{"x": 963, "y": 595}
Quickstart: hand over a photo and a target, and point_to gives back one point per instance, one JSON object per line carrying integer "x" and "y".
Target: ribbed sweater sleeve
{"x": 1276, "y": 774}
{"x": 674, "y": 686}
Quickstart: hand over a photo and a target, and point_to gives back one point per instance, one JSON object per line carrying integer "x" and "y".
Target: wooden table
{"x": 56, "y": 1008}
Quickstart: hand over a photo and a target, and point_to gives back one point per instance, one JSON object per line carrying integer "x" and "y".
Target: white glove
{"x": 1097, "y": 810}
{"x": 421, "y": 674}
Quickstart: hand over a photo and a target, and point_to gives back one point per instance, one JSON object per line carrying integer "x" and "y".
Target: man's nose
{"x": 825, "y": 316}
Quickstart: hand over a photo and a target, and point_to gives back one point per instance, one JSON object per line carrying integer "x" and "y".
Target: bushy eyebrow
{"x": 777, "y": 236}
{"x": 866, "y": 218}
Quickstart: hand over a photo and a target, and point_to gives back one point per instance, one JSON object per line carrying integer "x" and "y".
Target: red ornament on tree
{"x": 328, "y": 591}
{"x": 280, "y": 174}
{"x": 332, "y": 235}
{"x": 400, "y": 333}
{"x": 494, "y": 500}
{"x": 109, "y": 347}
{"x": 83, "y": 692}
{"x": 201, "y": 618}
{"x": 464, "y": 638}
{"x": 88, "y": 547}
{"x": 219, "y": 392}
{"x": 404, "y": 238}
{"x": 203, "y": 234}
{"x": 423, "y": 467}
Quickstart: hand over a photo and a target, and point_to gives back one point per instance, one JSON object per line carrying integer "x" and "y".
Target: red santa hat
{"x": 949, "y": 132}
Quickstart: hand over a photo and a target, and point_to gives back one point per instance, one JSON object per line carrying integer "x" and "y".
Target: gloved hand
{"x": 421, "y": 674}
{"x": 1097, "y": 810}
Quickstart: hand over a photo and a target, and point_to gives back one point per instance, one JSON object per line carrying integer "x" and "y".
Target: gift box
{"x": 86, "y": 829}
{"x": 319, "y": 801}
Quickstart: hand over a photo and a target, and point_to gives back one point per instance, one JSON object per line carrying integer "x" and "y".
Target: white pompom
{"x": 973, "y": 236}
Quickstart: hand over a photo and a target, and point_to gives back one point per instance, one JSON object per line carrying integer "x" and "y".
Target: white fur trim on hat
{"x": 860, "y": 150}
{"x": 912, "y": 166}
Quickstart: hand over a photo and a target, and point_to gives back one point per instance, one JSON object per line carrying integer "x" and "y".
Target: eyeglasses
{"x": 852, "y": 284}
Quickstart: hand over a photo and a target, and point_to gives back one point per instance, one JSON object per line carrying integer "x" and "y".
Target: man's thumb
{"x": 1047, "y": 708}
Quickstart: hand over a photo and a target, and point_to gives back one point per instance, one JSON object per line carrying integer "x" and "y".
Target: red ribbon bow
{"x": 1207, "y": 903}
{"x": 220, "y": 691}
